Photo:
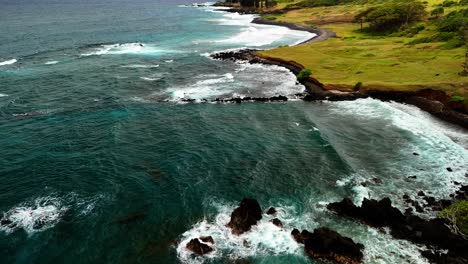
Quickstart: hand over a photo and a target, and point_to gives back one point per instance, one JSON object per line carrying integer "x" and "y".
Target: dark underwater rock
{"x": 197, "y": 247}
{"x": 133, "y": 217}
{"x": 245, "y": 216}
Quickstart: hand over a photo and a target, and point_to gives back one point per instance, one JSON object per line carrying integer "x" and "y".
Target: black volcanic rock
{"x": 328, "y": 244}
{"x": 433, "y": 232}
{"x": 197, "y": 247}
{"x": 300, "y": 237}
{"x": 271, "y": 211}
{"x": 245, "y": 216}
{"x": 207, "y": 239}
{"x": 277, "y": 222}
{"x": 5, "y": 222}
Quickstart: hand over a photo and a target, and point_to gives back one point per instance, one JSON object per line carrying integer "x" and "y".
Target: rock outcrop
{"x": 324, "y": 243}
{"x": 198, "y": 248}
{"x": 245, "y": 216}
{"x": 434, "y": 232}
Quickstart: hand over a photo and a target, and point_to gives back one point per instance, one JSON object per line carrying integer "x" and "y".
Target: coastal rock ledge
{"x": 324, "y": 243}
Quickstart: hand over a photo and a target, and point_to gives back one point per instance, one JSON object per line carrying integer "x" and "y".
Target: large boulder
{"x": 197, "y": 247}
{"x": 245, "y": 216}
{"x": 327, "y": 244}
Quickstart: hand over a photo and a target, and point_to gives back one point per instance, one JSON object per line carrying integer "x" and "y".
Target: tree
{"x": 393, "y": 16}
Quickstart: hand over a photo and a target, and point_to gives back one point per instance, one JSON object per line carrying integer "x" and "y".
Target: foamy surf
{"x": 256, "y": 35}
{"x": 51, "y": 62}
{"x": 415, "y": 132}
{"x": 127, "y": 48}
{"x": 3, "y": 95}
{"x": 8, "y": 62}
{"x": 136, "y": 66}
{"x": 264, "y": 239}
{"x": 204, "y": 88}
{"x": 44, "y": 213}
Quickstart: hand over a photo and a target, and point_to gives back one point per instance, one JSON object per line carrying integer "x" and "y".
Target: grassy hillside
{"x": 379, "y": 62}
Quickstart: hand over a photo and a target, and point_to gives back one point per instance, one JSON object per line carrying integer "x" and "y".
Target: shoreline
{"x": 321, "y": 34}
{"x": 435, "y": 102}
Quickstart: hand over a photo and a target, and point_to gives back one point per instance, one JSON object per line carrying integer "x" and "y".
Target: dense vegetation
{"x": 393, "y": 16}
{"x": 457, "y": 214}
{"x": 254, "y": 3}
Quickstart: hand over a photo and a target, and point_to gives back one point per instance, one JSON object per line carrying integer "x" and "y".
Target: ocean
{"x": 102, "y": 161}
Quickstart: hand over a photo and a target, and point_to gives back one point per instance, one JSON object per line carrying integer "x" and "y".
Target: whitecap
{"x": 127, "y": 48}
{"x": 141, "y": 66}
{"x": 3, "y": 95}
{"x": 51, "y": 62}
{"x": 42, "y": 214}
{"x": 8, "y": 62}
{"x": 150, "y": 79}
{"x": 204, "y": 88}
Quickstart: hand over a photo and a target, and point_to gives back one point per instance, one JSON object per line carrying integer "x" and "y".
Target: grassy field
{"x": 379, "y": 62}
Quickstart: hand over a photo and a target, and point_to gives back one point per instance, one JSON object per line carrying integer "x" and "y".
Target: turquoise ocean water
{"x": 95, "y": 166}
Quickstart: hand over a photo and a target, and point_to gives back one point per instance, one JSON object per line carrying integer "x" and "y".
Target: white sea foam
{"x": 204, "y": 88}
{"x": 383, "y": 249}
{"x": 264, "y": 239}
{"x": 438, "y": 144}
{"x": 127, "y": 48}
{"x": 3, "y": 95}
{"x": 150, "y": 79}
{"x": 256, "y": 35}
{"x": 43, "y": 213}
{"x": 262, "y": 35}
{"x": 141, "y": 66}
{"x": 8, "y": 62}
{"x": 51, "y": 62}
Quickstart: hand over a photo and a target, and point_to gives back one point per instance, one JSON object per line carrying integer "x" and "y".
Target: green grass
{"x": 379, "y": 62}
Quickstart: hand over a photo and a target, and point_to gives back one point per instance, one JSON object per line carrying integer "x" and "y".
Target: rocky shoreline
{"x": 442, "y": 245}
{"x": 435, "y": 102}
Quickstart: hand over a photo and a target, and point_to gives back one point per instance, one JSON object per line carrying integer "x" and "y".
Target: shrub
{"x": 437, "y": 11}
{"x": 357, "y": 86}
{"x": 445, "y": 36}
{"x": 456, "y": 21}
{"x": 449, "y": 3}
{"x": 457, "y": 98}
{"x": 453, "y": 44}
{"x": 304, "y": 74}
{"x": 457, "y": 214}
{"x": 420, "y": 40}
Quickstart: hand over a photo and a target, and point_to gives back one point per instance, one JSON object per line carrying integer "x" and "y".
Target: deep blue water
{"x": 95, "y": 166}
